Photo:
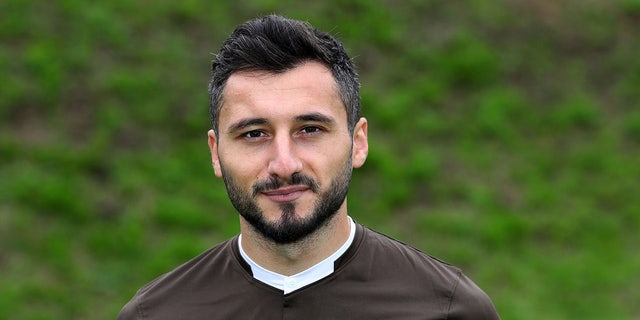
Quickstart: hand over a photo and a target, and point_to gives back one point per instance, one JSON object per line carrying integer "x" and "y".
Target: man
{"x": 287, "y": 132}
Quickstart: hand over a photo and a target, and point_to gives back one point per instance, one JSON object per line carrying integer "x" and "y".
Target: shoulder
{"x": 416, "y": 269}
{"x": 216, "y": 258}
{"x": 185, "y": 281}
{"x": 402, "y": 254}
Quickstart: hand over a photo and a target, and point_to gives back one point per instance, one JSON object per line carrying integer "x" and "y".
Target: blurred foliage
{"x": 505, "y": 139}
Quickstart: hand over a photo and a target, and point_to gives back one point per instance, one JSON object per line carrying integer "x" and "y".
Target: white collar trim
{"x": 289, "y": 284}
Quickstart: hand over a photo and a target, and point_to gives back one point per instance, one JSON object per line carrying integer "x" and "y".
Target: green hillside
{"x": 504, "y": 136}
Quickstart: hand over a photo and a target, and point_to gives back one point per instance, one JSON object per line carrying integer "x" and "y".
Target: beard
{"x": 290, "y": 227}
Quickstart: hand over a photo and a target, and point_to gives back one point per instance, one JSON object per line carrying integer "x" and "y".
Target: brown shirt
{"x": 376, "y": 278}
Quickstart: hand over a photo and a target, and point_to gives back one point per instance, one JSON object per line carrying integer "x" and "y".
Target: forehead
{"x": 310, "y": 87}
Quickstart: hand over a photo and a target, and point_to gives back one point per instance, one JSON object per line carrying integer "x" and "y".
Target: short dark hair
{"x": 278, "y": 44}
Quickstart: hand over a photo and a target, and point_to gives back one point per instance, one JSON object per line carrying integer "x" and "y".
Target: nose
{"x": 284, "y": 161}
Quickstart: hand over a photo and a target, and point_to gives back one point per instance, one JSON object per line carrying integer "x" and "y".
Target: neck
{"x": 289, "y": 259}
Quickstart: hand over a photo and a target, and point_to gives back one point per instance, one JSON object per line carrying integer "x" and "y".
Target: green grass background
{"x": 505, "y": 139}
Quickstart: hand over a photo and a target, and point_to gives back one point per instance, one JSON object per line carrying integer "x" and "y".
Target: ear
{"x": 360, "y": 143}
{"x": 215, "y": 160}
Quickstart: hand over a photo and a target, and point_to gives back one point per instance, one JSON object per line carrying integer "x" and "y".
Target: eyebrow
{"x": 316, "y": 117}
{"x": 309, "y": 117}
{"x": 245, "y": 123}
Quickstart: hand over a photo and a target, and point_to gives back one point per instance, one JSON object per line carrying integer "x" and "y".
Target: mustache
{"x": 274, "y": 182}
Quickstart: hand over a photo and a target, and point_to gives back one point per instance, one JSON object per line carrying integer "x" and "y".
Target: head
{"x": 287, "y": 131}
{"x": 277, "y": 44}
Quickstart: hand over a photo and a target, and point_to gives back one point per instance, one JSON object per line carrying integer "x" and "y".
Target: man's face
{"x": 284, "y": 150}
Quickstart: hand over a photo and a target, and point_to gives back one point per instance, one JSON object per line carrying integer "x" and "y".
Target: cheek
{"x": 336, "y": 167}
{"x": 243, "y": 170}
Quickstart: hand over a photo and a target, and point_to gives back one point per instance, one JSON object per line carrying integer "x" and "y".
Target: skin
{"x": 278, "y": 125}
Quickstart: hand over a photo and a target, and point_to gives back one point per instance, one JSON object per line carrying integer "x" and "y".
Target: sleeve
{"x": 468, "y": 301}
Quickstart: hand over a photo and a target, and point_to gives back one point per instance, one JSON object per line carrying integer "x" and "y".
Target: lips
{"x": 286, "y": 194}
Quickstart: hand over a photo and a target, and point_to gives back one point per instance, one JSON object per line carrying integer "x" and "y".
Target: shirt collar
{"x": 291, "y": 283}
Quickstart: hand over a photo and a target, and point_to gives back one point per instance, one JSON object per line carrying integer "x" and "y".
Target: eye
{"x": 253, "y": 134}
{"x": 310, "y": 130}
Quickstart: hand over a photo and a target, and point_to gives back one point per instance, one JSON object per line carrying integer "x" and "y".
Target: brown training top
{"x": 376, "y": 278}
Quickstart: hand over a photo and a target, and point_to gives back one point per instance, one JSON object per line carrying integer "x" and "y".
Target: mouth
{"x": 286, "y": 194}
